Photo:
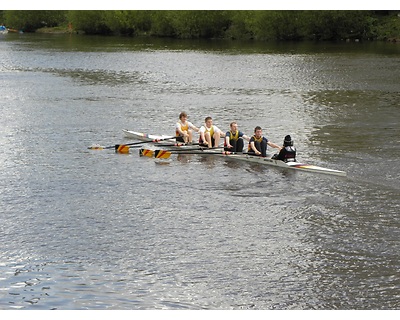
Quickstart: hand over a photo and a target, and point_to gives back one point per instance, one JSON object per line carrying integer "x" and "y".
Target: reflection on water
{"x": 91, "y": 229}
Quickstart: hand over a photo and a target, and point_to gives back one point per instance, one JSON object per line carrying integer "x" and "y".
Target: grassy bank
{"x": 242, "y": 25}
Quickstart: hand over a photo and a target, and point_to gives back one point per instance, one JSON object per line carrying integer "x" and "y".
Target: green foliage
{"x": 279, "y": 25}
{"x": 259, "y": 25}
{"x": 29, "y": 21}
{"x": 162, "y": 24}
{"x": 90, "y": 21}
{"x": 113, "y": 21}
{"x": 242, "y": 25}
{"x": 199, "y": 24}
{"x": 128, "y": 22}
{"x": 337, "y": 25}
{"x": 388, "y": 28}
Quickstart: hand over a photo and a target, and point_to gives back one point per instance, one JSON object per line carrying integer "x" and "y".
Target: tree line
{"x": 194, "y": 24}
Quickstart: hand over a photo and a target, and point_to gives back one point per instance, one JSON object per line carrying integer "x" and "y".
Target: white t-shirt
{"x": 179, "y": 125}
{"x": 205, "y": 129}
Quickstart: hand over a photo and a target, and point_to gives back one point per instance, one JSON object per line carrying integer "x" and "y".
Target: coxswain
{"x": 288, "y": 152}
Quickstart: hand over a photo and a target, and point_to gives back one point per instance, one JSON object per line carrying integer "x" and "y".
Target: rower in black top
{"x": 234, "y": 139}
{"x": 288, "y": 152}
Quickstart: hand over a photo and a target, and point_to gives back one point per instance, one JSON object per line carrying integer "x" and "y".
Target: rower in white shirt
{"x": 184, "y": 129}
{"x": 210, "y": 134}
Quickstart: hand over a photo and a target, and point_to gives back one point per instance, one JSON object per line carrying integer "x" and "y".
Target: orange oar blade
{"x": 121, "y": 148}
{"x": 146, "y": 153}
{"x": 162, "y": 154}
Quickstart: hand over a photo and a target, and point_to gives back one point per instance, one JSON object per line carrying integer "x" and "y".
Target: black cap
{"x": 288, "y": 141}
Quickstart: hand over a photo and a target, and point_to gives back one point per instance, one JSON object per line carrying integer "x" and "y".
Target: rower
{"x": 210, "y": 134}
{"x": 184, "y": 129}
{"x": 234, "y": 139}
{"x": 258, "y": 144}
{"x": 288, "y": 152}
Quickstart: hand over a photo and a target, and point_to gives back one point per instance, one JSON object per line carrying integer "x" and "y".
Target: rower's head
{"x": 208, "y": 121}
{"x": 183, "y": 115}
{"x": 258, "y": 131}
{"x": 288, "y": 141}
{"x": 233, "y": 126}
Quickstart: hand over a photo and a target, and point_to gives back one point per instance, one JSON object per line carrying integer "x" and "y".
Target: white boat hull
{"x": 266, "y": 161}
{"x": 160, "y": 140}
{"x": 237, "y": 156}
{"x": 245, "y": 157}
{"x": 287, "y": 165}
{"x": 144, "y": 136}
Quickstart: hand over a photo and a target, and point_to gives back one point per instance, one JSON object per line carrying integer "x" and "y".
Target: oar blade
{"x": 146, "y": 152}
{"x": 121, "y": 148}
{"x": 162, "y": 154}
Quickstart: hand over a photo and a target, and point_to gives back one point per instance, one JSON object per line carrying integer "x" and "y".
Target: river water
{"x": 86, "y": 229}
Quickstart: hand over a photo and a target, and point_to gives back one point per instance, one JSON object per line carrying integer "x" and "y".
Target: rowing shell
{"x": 163, "y": 140}
{"x": 146, "y": 137}
{"x": 248, "y": 158}
{"x": 278, "y": 163}
{"x": 282, "y": 164}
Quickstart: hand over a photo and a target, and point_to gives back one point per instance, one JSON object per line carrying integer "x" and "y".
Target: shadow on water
{"x": 76, "y": 42}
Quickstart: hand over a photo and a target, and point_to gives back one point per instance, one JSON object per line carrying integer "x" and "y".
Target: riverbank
{"x": 68, "y": 30}
{"x": 53, "y": 30}
{"x": 267, "y": 25}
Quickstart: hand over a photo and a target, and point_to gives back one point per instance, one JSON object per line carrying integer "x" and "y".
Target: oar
{"x": 181, "y": 144}
{"x": 98, "y": 147}
{"x": 161, "y": 154}
{"x": 186, "y": 151}
{"x": 116, "y": 146}
{"x": 165, "y": 154}
{"x": 119, "y": 148}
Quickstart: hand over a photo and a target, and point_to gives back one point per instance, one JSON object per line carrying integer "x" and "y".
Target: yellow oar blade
{"x": 121, "y": 148}
{"x": 146, "y": 152}
{"x": 159, "y": 154}
{"x": 162, "y": 154}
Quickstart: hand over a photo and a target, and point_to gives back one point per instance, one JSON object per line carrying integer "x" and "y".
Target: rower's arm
{"x": 273, "y": 145}
{"x": 253, "y": 147}
{"x": 194, "y": 128}
{"x": 202, "y": 137}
